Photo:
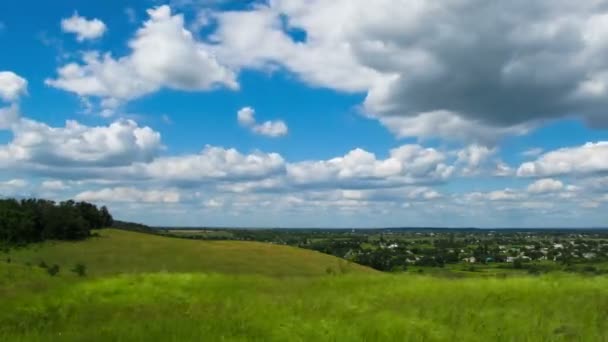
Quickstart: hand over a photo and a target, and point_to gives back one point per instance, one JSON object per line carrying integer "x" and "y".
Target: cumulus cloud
{"x": 408, "y": 164}
{"x": 413, "y": 58}
{"x": 495, "y": 195}
{"x": 450, "y": 126}
{"x": 128, "y": 194}
{"x": 545, "y": 185}
{"x": 12, "y": 86}
{"x": 54, "y": 185}
{"x": 472, "y": 158}
{"x": 14, "y": 183}
{"x": 213, "y": 163}
{"x": 587, "y": 159}
{"x": 164, "y": 54}
{"x": 9, "y": 116}
{"x": 83, "y": 28}
{"x": 121, "y": 143}
{"x": 13, "y": 187}
{"x": 246, "y": 118}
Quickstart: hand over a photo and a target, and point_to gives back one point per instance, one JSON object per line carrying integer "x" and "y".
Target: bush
{"x": 590, "y": 269}
{"x": 53, "y": 270}
{"x": 80, "y": 270}
{"x": 518, "y": 264}
{"x": 43, "y": 264}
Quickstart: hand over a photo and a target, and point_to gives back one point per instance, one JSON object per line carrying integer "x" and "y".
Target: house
{"x": 558, "y": 246}
{"x": 589, "y": 255}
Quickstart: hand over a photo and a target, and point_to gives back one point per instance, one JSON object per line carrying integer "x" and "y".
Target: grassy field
{"x": 117, "y": 251}
{"x": 138, "y": 290}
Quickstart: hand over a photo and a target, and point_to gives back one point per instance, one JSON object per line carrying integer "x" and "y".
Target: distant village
{"x": 400, "y": 249}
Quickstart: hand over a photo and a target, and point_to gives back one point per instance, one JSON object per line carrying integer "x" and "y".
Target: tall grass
{"x": 213, "y": 307}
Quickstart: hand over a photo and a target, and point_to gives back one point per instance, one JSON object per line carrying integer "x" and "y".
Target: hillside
{"x": 117, "y": 251}
{"x": 147, "y": 287}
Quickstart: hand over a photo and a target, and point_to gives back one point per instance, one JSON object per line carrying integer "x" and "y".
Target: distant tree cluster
{"x": 34, "y": 220}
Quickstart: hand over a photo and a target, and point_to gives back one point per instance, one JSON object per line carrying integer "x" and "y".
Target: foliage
{"x": 397, "y": 250}
{"x": 80, "y": 270}
{"x": 34, "y": 220}
{"x": 53, "y": 270}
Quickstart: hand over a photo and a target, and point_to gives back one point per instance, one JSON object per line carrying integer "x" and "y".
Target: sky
{"x": 294, "y": 113}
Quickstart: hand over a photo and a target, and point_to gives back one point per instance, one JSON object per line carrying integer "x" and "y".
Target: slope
{"x": 117, "y": 251}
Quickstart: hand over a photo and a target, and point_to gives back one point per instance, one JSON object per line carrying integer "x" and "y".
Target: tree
{"x": 34, "y": 220}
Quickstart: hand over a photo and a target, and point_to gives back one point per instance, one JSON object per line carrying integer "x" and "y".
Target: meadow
{"x": 114, "y": 251}
{"x": 136, "y": 291}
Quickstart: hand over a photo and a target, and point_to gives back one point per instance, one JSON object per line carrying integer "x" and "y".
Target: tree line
{"x": 34, "y": 220}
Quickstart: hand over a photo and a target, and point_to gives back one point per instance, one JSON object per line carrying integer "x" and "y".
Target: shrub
{"x": 53, "y": 270}
{"x": 590, "y": 269}
{"x": 518, "y": 264}
{"x": 43, "y": 264}
{"x": 80, "y": 270}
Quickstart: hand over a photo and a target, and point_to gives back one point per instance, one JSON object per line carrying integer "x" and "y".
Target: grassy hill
{"x": 144, "y": 287}
{"x": 118, "y": 251}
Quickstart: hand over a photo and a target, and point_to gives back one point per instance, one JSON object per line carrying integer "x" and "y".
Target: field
{"x": 115, "y": 251}
{"x": 143, "y": 287}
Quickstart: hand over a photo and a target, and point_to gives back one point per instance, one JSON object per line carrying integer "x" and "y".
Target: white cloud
{"x": 587, "y": 159}
{"x": 121, "y": 143}
{"x": 545, "y": 185}
{"x": 450, "y": 126}
{"x": 213, "y": 163}
{"x": 13, "y": 188}
{"x": 12, "y": 86}
{"x": 408, "y": 164}
{"x": 54, "y": 185}
{"x": 9, "y": 116}
{"x": 271, "y": 128}
{"x": 532, "y": 152}
{"x": 503, "y": 170}
{"x": 83, "y": 28}
{"x": 472, "y": 158}
{"x": 413, "y": 58}
{"x": 128, "y": 194}
{"x": 14, "y": 183}
{"x": 495, "y": 195}
{"x": 256, "y": 39}
{"x": 246, "y": 118}
{"x": 163, "y": 55}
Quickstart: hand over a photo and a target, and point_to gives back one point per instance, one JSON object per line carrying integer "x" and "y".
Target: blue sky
{"x": 294, "y": 113}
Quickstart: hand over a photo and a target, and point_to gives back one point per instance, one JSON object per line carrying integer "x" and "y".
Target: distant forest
{"x": 34, "y": 220}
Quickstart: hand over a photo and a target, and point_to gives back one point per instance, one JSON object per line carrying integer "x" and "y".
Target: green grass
{"x": 117, "y": 251}
{"x": 190, "y": 307}
{"x": 150, "y": 288}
